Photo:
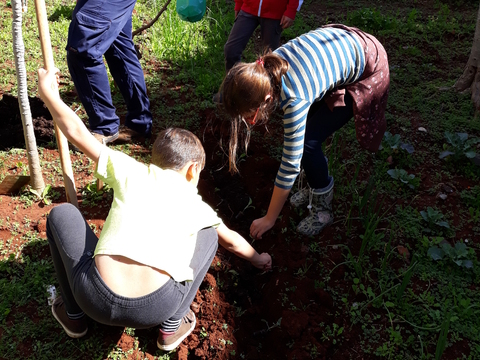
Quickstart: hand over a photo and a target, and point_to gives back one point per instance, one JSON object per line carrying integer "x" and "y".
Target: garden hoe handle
{"x": 62, "y": 142}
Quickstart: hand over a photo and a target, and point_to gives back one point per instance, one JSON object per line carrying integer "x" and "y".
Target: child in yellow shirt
{"x": 157, "y": 243}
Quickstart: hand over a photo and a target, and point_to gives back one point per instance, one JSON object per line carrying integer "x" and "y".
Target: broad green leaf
{"x": 470, "y": 154}
{"x": 443, "y": 224}
{"x": 435, "y": 253}
{"x": 407, "y": 147}
{"x": 444, "y": 154}
{"x": 461, "y": 249}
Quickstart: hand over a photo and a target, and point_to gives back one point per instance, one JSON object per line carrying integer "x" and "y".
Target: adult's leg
{"x": 95, "y": 26}
{"x": 271, "y": 30}
{"x": 242, "y": 30}
{"x": 72, "y": 244}
{"x": 321, "y": 123}
{"x": 128, "y": 75}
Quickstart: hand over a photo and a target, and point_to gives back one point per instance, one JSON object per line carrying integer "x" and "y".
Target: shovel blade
{"x": 12, "y": 183}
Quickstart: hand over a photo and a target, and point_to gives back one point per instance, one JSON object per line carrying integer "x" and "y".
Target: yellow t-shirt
{"x": 155, "y": 214}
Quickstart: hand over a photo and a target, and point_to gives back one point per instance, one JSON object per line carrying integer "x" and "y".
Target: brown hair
{"x": 175, "y": 147}
{"x": 244, "y": 90}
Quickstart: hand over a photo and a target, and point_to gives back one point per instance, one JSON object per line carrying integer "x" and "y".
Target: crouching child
{"x": 157, "y": 243}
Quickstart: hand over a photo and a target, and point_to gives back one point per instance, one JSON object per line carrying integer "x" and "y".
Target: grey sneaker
{"x": 168, "y": 341}
{"x": 105, "y": 139}
{"x": 74, "y": 328}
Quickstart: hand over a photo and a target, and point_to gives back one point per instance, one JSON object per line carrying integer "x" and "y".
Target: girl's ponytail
{"x": 276, "y": 67}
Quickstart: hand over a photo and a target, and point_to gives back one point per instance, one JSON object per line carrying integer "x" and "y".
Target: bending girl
{"x": 321, "y": 80}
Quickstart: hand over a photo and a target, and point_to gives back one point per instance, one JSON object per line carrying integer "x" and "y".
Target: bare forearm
{"x": 233, "y": 242}
{"x": 73, "y": 128}
{"x": 236, "y": 244}
{"x": 65, "y": 118}
{"x": 277, "y": 201}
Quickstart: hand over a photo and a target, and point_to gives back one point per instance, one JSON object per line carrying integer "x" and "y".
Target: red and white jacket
{"x": 270, "y": 9}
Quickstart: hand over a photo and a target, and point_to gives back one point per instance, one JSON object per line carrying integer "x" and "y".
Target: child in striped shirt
{"x": 320, "y": 80}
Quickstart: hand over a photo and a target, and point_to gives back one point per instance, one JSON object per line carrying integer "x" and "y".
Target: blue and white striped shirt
{"x": 319, "y": 61}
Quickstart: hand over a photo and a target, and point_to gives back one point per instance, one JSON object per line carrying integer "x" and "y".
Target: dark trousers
{"x": 321, "y": 123}
{"x": 242, "y": 30}
{"x": 104, "y": 28}
{"x": 72, "y": 244}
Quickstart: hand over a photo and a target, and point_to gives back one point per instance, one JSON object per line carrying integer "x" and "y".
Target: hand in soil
{"x": 263, "y": 262}
{"x": 260, "y": 226}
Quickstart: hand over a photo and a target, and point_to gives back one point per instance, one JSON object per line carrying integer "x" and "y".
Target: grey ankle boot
{"x": 301, "y": 197}
{"x": 321, "y": 213}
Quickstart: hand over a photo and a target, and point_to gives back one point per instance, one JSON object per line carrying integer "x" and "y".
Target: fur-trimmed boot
{"x": 321, "y": 214}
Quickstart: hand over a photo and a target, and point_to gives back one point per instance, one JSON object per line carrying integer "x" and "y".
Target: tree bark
{"x": 471, "y": 74}
{"x": 36, "y": 177}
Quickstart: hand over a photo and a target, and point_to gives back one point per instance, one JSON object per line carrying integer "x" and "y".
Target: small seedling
{"x": 433, "y": 218}
{"x": 91, "y": 196}
{"x": 269, "y": 327}
{"x": 394, "y": 142}
{"x": 406, "y": 178}
{"x": 47, "y": 195}
{"x": 458, "y": 254}
{"x": 475, "y": 215}
{"x": 459, "y": 145}
{"x": 203, "y": 333}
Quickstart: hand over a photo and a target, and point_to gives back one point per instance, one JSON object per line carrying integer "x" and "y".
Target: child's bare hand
{"x": 286, "y": 22}
{"x": 48, "y": 83}
{"x": 263, "y": 262}
{"x": 259, "y": 227}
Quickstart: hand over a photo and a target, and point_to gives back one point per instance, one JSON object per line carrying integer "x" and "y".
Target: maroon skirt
{"x": 369, "y": 93}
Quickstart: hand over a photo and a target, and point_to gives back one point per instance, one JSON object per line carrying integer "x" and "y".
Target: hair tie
{"x": 260, "y": 61}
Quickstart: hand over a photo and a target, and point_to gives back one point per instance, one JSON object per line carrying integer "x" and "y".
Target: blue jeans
{"x": 321, "y": 123}
{"x": 72, "y": 244}
{"x": 242, "y": 30}
{"x": 104, "y": 28}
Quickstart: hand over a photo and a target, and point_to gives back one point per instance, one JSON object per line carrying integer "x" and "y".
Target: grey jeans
{"x": 72, "y": 244}
{"x": 242, "y": 30}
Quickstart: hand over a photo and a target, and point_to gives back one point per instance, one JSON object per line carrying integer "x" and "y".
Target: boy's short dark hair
{"x": 175, "y": 147}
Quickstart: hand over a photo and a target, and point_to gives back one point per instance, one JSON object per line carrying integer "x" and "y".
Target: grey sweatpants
{"x": 72, "y": 244}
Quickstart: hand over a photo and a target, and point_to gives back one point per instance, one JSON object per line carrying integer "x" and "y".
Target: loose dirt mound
{"x": 11, "y": 131}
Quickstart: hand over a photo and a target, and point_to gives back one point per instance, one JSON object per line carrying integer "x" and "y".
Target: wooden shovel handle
{"x": 49, "y": 64}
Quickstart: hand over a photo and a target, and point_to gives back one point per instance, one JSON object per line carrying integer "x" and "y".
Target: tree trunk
{"x": 471, "y": 74}
{"x": 36, "y": 177}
